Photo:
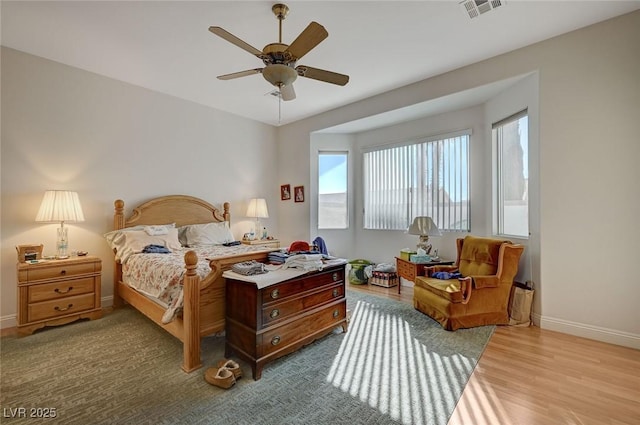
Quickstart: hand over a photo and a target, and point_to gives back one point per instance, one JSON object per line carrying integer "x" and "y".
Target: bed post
{"x": 191, "y": 314}
{"x": 118, "y": 223}
{"x": 226, "y": 214}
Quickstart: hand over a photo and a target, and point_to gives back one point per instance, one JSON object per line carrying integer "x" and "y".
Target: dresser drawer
{"x": 55, "y": 290}
{"x": 297, "y": 286}
{"x": 61, "y": 271}
{"x": 283, "y": 336}
{"x": 294, "y": 306}
{"x": 55, "y": 308}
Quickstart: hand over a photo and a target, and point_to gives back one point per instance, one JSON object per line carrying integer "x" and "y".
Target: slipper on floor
{"x": 231, "y": 365}
{"x": 220, "y": 377}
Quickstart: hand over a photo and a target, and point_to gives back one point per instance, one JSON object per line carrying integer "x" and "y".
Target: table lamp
{"x": 60, "y": 205}
{"x": 424, "y": 227}
{"x": 257, "y": 209}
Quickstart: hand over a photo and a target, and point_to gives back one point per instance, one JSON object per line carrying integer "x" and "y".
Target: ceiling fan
{"x": 280, "y": 59}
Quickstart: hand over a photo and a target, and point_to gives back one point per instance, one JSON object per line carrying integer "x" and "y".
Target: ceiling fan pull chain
{"x": 280, "y": 105}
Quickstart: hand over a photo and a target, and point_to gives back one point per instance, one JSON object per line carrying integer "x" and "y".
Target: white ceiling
{"x": 166, "y": 46}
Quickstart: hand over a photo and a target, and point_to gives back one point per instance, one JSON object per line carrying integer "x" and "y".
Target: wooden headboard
{"x": 178, "y": 209}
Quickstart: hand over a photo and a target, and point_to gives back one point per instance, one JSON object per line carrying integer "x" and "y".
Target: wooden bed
{"x": 204, "y": 299}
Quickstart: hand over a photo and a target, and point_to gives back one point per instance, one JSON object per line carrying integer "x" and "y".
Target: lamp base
{"x": 424, "y": 244}
{"x": 62, "y": 243}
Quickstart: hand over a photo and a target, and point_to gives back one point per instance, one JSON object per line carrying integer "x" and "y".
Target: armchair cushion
{"x": 479, "y": 256}
{"x": 447, "y": 289}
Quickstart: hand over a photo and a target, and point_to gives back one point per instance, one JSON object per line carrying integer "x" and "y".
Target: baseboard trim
{"x": 11, "y": 320}
{"x": 610, "y": 336}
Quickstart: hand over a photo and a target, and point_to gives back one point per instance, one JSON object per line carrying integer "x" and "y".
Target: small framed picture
{"x": 285, "y": 192}
{"x": 29, "y": 252}
{"x": 299, "y": 193}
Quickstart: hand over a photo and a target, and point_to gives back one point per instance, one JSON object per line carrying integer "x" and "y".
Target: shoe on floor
{"x": 220, "y": 377}
{"x": 231, "y": 365}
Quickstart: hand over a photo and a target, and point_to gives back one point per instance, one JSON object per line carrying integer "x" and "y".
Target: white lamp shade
{"x": 257, "y": 208}
{"x": 60, "y": 206}
{"x": 423, "y": 226}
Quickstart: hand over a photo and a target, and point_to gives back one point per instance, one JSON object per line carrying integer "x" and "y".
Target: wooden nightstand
{"x": 57, "y": 292}
{"x": 409, "y": 271}
{"x": 267, "y": 243}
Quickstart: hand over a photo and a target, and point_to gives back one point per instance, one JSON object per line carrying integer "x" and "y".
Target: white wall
{"x": 589, "y": 104}
{"x": 64, "y": 128}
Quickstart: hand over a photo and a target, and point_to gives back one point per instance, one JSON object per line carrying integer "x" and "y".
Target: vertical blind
{"x": 429, "y": 177}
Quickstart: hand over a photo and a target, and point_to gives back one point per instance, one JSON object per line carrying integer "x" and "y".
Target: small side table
{"x": 408, "y": 270}
{"x": 57, "y": 292}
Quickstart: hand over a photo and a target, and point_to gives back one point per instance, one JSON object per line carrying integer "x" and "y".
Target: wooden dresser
{"x": 265, "y": 324}
{"x": 57, "y": 292}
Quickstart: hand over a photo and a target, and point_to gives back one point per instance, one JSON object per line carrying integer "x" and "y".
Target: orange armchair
{"x": 480, "y": 296}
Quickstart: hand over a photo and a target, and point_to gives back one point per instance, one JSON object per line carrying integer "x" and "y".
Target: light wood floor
{"x": 531, "y": 376}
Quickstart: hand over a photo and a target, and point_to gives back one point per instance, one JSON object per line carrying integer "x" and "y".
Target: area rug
{"x": 394, "y": 365}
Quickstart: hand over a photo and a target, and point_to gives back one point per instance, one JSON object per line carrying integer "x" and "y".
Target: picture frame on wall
{"x": 285, "y": 192}
{"x": 299, "y": 193}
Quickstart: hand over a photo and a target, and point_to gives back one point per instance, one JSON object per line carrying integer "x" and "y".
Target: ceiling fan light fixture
{"x": 279, "y": 75}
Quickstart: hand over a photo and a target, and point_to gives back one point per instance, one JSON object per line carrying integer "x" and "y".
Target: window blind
{"x": 427, "y": 177}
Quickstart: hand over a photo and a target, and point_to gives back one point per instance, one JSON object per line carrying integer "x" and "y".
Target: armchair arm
{"x": 492, "y": 281}
{"x": 430, "y": 270}
{"x": 465, "y": 288}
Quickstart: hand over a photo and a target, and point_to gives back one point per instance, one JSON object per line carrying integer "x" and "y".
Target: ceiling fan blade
{"x": 287, "y": 92}
{"x": 240, "y": 74}
{"x": 322, "y": 75}
{"x": 235, "y": 40}
{"x": 307, "y": 40}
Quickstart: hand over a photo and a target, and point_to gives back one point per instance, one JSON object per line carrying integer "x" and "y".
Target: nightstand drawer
{"x": 61, "y": 271}
{"x": 407, "y": 270}
{"x": 61, "y": 307}
{"x": 56, "y": 290}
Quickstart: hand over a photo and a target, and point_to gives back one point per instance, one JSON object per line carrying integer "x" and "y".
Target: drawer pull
{"x": 63, "y": 272}
{"x": 336, "y": 313}
{"x": 56, "y": 308}
{"x": 275, "y": 294}
{"x": 335, "y": 276}
{"x": 275, "y": 340}
{"x": 63, "y": 292}
{"x": 274, "y": 313}
{"x": 336, "y": 292}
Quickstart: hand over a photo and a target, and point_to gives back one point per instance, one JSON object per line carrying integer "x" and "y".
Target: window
{"x": 511, "y": 147}
{"x": 429, "y": 177}
{"x": 332, "y": 190}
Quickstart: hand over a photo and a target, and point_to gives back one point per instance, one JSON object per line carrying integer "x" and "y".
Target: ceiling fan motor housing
{"x": 276, "y": 53}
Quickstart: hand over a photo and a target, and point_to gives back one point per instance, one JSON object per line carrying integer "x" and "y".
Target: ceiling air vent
{"x": 476, "y": 8}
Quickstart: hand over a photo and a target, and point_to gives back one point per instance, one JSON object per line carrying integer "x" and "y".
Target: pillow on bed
{"x": 205, "y": 234}
{"x": 128, "y": 242}
{"x": 156, "y": 230}
{"x": 112, "y": 234}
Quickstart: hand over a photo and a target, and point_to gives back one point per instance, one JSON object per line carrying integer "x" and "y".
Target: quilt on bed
{"x": 160, "y": 276}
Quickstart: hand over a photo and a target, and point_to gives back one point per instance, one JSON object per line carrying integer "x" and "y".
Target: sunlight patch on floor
{"x": 383, "y": 365}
